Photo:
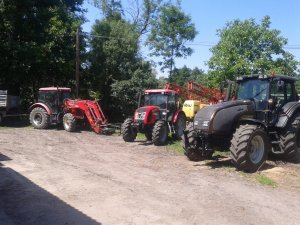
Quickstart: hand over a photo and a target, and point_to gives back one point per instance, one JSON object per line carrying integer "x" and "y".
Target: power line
{"x": 201, "y": 43}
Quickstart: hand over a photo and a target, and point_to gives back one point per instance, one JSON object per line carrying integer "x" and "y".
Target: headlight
{"x": 196, "y": 123}
{"x": 205, "y": 123}
{"x": 140, "y": 115}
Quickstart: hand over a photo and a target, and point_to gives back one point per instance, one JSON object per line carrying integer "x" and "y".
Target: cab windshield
{"x": 252, "y": 89}
{"x": 156, "y": 99}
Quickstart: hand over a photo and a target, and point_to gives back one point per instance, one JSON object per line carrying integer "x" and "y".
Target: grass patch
{"x": 140, "y": 136}
{"x": 221, "y": 153}
{"x": 264, "y": 180}
{"x": 175, "y": 145}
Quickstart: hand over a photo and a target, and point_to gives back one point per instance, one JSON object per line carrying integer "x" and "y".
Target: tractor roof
{"x": 267, "y": 77}
{"x": 159, "y": 91}
{"x": 54, "y": 89}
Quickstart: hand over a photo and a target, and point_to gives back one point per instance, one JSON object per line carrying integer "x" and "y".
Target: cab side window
{"x": 282, "y": 92}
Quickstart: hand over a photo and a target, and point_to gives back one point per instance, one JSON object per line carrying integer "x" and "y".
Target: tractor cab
{"x": 268, "y": 93}
{"x": 156, "y": 104}
{"x": 54, "y": 97}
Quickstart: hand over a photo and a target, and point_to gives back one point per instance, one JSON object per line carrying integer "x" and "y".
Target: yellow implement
{"x": 191, "y": 107}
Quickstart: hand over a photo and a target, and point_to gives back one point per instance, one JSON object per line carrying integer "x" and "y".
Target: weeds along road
{"x": 55, "y": 177}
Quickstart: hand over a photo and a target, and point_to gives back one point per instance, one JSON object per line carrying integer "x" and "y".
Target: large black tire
{"x": 180, "y": 125}
{"x": 249, "y": 148}
{"x": 290, "y": 140}
{"x": 69, "y": 122}
{"x": 129, "y": 134}
{"x": 1, "y": 119}
{"x": 148, "y": 135}
{"x": 160, "y": 133}
{"x": 190, "y": 146}
{"x": 39, "y": 118}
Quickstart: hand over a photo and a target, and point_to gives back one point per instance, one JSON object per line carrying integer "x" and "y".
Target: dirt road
{"x": 54, "y": 177}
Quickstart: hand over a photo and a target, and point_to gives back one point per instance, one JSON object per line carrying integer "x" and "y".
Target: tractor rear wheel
{"x": 180, "y": 125}
{"x": 249, "y": 147}
{"x": 129, "y": 134}
{"x": 190, "y": 146}
{"x": 69, "y": 122}
{"x": 290, "y": 140}
{"x": 39, "y": 118}
{"x": 160, "y": 133}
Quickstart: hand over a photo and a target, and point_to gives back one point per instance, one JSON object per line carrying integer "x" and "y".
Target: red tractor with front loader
{"x": 54, "y": 106}
{"x": 159, "y": 112}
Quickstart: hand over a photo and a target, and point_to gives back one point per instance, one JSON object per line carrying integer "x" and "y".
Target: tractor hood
{"x": 221, "y": 117}
{"x": 146, "y": 114}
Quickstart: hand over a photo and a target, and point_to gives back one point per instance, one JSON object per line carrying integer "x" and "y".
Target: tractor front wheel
{"x": 69, "y": 122}
{"x": 39, "y": 118}
{"x": 148, "y": 135}
{"x": 160, "y": 133}
{"x": 129, "y": 133}
{"x": 249, "y": 147}
{"x": 190, "y": 146}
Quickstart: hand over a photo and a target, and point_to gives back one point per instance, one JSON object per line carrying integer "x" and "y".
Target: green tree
{"x": 113, "y": 50}
{"x": 37, "y": 43}
{"x": 181, "y": 76}
{"x": 247, "y": 47}
{"x": 139, "y": 13}
{"x": 124, "y": 92}
{"x": 169, "y": 35}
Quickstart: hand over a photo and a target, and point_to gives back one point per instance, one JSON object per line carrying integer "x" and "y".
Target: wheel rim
{"x": 37, "y": 119}
{"x": 67, "y": 124}
{"x": 257, "y": 149}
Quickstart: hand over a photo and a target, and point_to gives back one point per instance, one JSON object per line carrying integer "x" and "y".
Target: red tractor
{"x": 54, "y": 107}
{"x": 158, "y": 115}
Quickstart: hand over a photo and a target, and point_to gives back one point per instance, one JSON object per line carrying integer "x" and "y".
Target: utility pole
{"x": 77, "y": 63}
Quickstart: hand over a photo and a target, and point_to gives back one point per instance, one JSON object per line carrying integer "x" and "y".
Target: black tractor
{"x": 263, "y": 118}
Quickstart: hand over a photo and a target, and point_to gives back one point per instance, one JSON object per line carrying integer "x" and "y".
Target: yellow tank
{"x": 191, "y": 107}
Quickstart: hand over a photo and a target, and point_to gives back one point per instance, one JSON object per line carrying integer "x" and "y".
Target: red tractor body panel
{"x": 175, "y": 116}
{"x": 143, "y": 113}
{"x": 42, "y": 105}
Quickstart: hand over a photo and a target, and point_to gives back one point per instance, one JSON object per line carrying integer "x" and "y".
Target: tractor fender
{"x": 252, "y": 121}
{"x": 49, "y": 111}
{"x": 288, "y": 110}
{"x": 176, "y": 115}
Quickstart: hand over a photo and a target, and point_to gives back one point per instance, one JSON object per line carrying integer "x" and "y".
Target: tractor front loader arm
{"x": 91, "y": 110}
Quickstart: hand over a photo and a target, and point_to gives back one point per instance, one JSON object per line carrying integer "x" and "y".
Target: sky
{"x": 210, "y": 15}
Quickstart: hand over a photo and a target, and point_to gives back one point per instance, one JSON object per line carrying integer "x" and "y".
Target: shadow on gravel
{"x": 3, "y": 158}
{"x": 16, "y": 122}
{"x": 225, "y": 162}
{"x": 25, "y": 203}
{"x": 145, "y": 143}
